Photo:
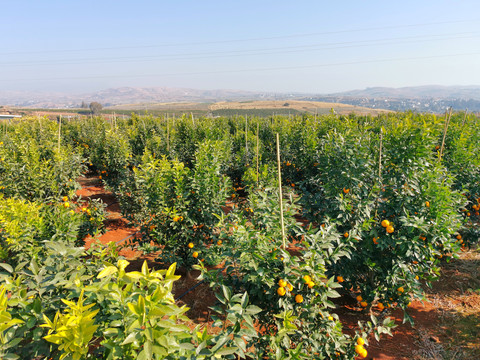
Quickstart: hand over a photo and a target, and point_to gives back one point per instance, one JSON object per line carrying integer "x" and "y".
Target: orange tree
{"x": 32, "y": 164}
{"x": 461, "y": 158}
{"x": 175, "y": 206}
{"x": 398, "y": 212}
{"x": 66, "y": 303}
{"x": 290, "y": 285}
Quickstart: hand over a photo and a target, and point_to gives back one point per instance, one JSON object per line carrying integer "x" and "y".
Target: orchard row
{"x": 371, "y": 207}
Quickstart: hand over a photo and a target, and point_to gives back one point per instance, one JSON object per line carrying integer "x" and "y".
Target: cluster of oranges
{"x": 308, "y": 281}
{"x": 359, "y": 349}
{"x": 388, "y": 226}
{"x": 65, "y": 204}
{"x": 195, "y": 253}
{"x": 362, "y": 302}
{"x": 282, "y": 290}
{"x": 476, "y": 207}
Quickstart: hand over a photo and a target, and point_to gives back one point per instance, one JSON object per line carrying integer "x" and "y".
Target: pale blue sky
{"x": 298, "y": 46}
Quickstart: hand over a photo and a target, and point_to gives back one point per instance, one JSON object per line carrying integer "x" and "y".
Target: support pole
{"x": 280, "y": 195}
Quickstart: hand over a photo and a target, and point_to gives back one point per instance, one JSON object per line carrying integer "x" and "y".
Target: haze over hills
{"x": 431, "y": 98}
{"x": 428, "y": 91}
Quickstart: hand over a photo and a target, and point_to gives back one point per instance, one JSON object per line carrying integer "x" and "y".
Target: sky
{"x": 306, "y": 46}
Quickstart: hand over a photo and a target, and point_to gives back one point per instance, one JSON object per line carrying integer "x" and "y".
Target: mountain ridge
{"x": 422, "y": 98}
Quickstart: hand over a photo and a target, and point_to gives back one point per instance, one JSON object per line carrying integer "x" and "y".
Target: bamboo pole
{"x": 258, "y": 129}
{"x": 280, "y": 196}
{"x": 464, "y": 117}
{"x": 59, "y": 132}
{"x": 380, "y": 157}
{"x": 447, "y": 122}
{"x": 168, "y": 136}
{"x": 246, "y": 138}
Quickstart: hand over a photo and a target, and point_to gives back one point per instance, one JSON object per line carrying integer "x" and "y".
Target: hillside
{"x": 420, "y": 98}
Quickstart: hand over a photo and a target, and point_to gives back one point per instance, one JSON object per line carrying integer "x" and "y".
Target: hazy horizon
{"x": 305, "y": 47}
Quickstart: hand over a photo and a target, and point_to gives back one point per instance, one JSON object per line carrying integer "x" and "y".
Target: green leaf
{"x": 130, "y": 338}
{"x": 226, "y": 351}
{"x": 7, "y": 267}
{"x": 148, "y": 350}
{"x": 109, "y": 270}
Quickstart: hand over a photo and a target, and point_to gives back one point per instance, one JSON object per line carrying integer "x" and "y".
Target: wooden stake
{"x": 447, "y": 122}
{"x": 59, "y": 132}
{"x": 280, "y": 196}
{"x": 258, "y": 129}
{"x": 380, "y": 157}
{"x": 246, "y": 138}
{"x": 168, "y": 137}
{"x": 464, "y": 117}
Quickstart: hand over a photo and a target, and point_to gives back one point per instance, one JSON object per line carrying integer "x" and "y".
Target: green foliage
{"x": 347, "y": 173}
{"x": 298, "y": 322}
{"x": 174, "y": 205}
{"x": 34, "y": 167}
{"x": 8, "y": 327}
{"x": 72, "y": 330}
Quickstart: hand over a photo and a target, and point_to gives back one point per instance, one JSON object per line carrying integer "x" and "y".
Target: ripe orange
{"x": 359, "y": 298}
{"x": 401, "y": 289}
{"x": 390, "y": 229}
{"x": 299, "y": 299}
{"x": 346, "y": 191}
{"x": 380, "y": 306}
{"x": 364, "y": 304}
{"x": 289, "y": 287}
{"x": 363, "y": 353}
{"x": 427, "y": 203}
{"x": 385, "y": 223}
{"x": 459, "y": 237}
{"x": 195, "y": 254}
{"x": 359, "y": 348}
{"x": 360, "y": 341}
{"x": 311, "y": 284}
{"x": 346, "y": 234}
{"x": 190, "y": 245}
{"x": 219, "y": 242}
{"x": 282, "y": 283}
{"x": 281, "y": 291}
{"x": 307, "y": 279}
{"x": 340, "y": 279}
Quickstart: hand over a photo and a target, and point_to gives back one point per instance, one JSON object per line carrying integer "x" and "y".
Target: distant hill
{"x": 422, "y": 92}
{"x": 430, "y": 98}
{"x": 131, "y": 95}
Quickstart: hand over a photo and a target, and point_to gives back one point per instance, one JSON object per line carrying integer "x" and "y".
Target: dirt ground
{"x": 447, "y": 323}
